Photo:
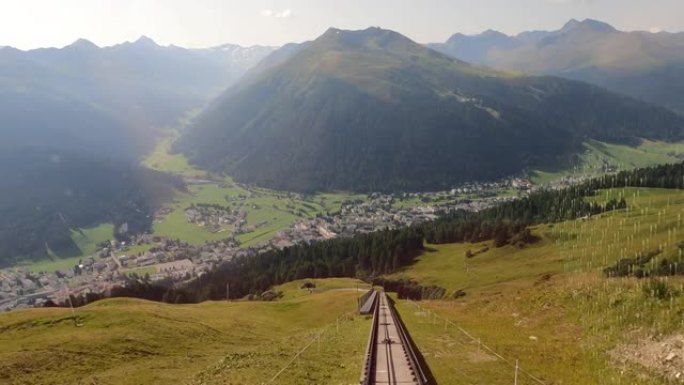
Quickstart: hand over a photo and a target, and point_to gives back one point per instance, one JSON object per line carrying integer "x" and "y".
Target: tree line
{"x": 508, "y": 222}
{"x": 384, "y": 252}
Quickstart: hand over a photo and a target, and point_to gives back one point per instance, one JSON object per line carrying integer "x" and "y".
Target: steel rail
{"x": 369, "y": 370}
{"x": 421, "y": 377}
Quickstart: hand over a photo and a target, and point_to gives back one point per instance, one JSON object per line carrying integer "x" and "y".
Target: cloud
{"x": 284, "y": 14}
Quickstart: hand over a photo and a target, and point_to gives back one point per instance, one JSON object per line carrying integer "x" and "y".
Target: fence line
{"x": 305, "y": 348}
{"x": 479, "y": 341}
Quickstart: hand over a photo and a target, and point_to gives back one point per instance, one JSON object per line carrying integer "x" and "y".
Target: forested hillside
{"x": 506, "y": 222}
{"x": 76, "y": 120}
{"x": 44, "y": 196}
{"x": 372, "y": 110}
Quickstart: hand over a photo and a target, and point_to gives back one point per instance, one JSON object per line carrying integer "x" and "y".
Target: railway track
{"x": 390, "y": 357}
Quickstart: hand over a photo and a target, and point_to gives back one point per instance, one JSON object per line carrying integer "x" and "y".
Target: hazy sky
{"x": 29, "y": 24}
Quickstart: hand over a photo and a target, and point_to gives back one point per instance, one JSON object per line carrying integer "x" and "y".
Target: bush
{"x": 659, "y": 289}
{"x": 271, "y": 295}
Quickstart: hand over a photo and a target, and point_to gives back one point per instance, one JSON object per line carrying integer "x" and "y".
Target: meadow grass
{"x": 549, "y": 305}
{"x": 161, "y": 159}
{"x": 130, "y": 341}
{"x": 268, "y": 211}
{"x": 598, "y": 154}
{"x": 85, "y": 239}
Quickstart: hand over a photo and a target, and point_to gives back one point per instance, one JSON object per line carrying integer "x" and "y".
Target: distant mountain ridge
{"x": 372, "y": 110}
{"x": 74, "y": 122}
{"x": 644, "y": 65}
{"x": 128, "y": 90}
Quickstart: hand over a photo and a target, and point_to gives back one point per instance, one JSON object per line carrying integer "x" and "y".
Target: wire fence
{"x": 316, "y": 338}
{"x": 512, "y": 363}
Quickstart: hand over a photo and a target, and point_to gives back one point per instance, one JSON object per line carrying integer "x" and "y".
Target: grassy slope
{"x": 592, "y": 161}
{"x": 161, "y": 159}
{"x": 126, "y": 341}
{"x": 85, "y": 239}
{"x": 548, "y": 305}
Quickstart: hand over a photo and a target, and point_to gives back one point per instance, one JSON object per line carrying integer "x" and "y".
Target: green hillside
{"x": 549, "y": 305}
{"x": 372, "y": 110}
{"x": 600, "y": 158}
{"x": 46, "y": 197}
{"x": 128, "y": 341}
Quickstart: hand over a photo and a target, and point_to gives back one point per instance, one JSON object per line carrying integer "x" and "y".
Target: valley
{"x": 321, "y": 205}
{"x": 531, "y": 304}
{"x": 267, "y": 219}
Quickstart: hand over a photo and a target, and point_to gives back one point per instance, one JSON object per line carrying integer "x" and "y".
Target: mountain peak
{"x": 586, "y": 25}
{"x": 493, "y": 33}
{"x": 82, "y": 44}
{"x": 145, "y": 41}
{"x": 375, "y": 37}
{"x": 359, "y": 34}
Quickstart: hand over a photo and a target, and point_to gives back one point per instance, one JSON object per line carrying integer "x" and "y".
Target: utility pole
{"x": 71, "y": 305}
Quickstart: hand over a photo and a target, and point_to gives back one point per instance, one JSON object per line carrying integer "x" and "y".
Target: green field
{"x": 549, "y": 305}
{"x": 276, "y": 209}
{"x": 85, "y": 239}
{"x": 271, "y": 210}
{"x": 127, "y": 341}
{"x": 598, "y": 154}
{"x": 162, "y": 159}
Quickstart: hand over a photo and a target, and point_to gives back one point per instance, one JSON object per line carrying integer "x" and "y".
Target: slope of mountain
{"x": 648, "y": 66}
{"x": 96, "y": 110}
{"x": 44, "y": 196}
{"x": 474, "y": 49}
{"x": 532, "y": 304}
{"x": 372, "y": 110}
{"x": 127, "y": 341}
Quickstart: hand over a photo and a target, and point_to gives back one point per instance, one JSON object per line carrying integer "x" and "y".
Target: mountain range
{"x": 648, "y": 66}
{"x": 372, "y": 110}
{"x": 109, "y": 100}
{"x": 366, "y": 110}
{"x": 75, "y": 122}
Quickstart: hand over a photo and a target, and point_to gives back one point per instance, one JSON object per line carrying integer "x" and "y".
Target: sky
{"x": 28, "y": 24}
